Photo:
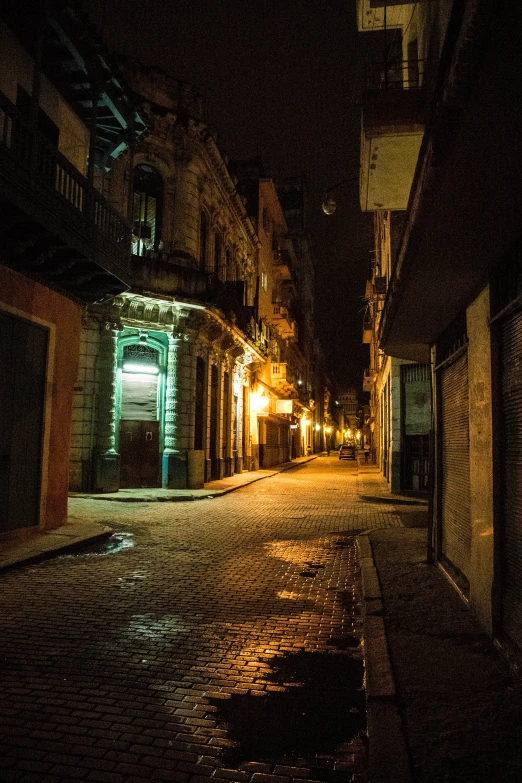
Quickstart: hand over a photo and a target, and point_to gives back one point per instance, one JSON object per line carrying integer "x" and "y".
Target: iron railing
{"x": 394, "y": 75}
{"x": 38, "y": 164}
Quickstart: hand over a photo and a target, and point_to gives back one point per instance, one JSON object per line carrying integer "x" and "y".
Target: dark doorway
{"x": 227, "y": 423}
{"x": 22, "y": 393}
{"x": 416, "y": 463}
{"x": 200, "y": 400}
{"x": 246, "y": 431}
{"x": 139, "y": 453}
{"x": 214, "y": 422}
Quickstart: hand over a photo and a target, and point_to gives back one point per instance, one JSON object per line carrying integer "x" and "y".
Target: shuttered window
{"x": 456, "y": 516}
{"x": 511, "y": 454}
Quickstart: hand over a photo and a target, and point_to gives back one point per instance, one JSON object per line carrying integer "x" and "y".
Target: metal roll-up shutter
{"x": 511, "y": 450}
{"x": 456, "y": 516}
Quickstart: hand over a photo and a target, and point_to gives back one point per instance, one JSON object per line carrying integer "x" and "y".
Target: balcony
{"x": 368, "y": 328}
{"x": 282, "y": 265}
{"x": 53, "y": 224}
{"x": 278, "y": 372}
{"x": 371, "y": 14}
{"x": 391, "y": 133}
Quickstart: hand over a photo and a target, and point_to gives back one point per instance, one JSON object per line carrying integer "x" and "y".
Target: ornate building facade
{"x": 173, "y": 359}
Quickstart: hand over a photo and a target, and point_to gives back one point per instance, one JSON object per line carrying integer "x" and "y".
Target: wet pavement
{"x": 218, "y": 639}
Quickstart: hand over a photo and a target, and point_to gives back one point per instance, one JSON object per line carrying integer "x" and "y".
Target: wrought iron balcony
{"x": 393, "y": 118}
{"x": 53, "y": 223}
{"x": 394, "y": 75}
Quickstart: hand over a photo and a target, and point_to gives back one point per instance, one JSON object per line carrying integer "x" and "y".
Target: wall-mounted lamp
{"x": 329, "y": 204}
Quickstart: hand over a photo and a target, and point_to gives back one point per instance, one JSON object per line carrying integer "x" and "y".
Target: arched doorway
{"x": 139, "y": 434}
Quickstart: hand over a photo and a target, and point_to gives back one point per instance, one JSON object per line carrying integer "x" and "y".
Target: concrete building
{"x": 286, "y": 425}
{"x": 453, "y": 298}
{"x": 174, "y": 356}
{"x": 348, "y": 414}
{"x": 393, "y": 117}
{"x": 64, "y": 117}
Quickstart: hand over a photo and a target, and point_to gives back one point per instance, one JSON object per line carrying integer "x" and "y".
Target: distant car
{"x": 347, "y": 452}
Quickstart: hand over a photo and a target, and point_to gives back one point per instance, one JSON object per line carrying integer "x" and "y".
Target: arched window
{"x": 203, "y": 241}
{"x": 218, "y": 252}
{"x": 222, "y": 266}
{"x": 147, "y": 206}
{"x": 231, "y": 266}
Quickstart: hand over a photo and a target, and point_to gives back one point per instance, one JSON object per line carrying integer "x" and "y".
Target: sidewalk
{"x": 441, "y": 703}
{"x": 34, "y": 545}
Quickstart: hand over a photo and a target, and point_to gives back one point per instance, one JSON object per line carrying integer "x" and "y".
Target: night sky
{"x": 282, "y": 80}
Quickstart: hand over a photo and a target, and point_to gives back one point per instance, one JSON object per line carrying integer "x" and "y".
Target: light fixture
{"x": 142, "y": 369}
{"x": 329, "y": 204}
{"x": 259, "y": 403}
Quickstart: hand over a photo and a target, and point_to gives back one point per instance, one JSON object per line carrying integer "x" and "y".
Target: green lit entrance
{"x": 139, "y": 431}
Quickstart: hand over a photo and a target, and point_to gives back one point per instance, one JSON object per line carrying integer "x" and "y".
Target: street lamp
{"x": 329, "y": 204}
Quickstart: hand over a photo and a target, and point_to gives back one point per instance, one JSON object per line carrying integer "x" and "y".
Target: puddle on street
{"x": 108, "y": 546}
{"x": 322, "y": 708}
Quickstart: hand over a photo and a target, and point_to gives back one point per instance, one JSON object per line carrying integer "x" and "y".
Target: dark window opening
{"x": 147, "y": 207}
{"x": 200, "y": 399}
{"x": 203, "y": 241}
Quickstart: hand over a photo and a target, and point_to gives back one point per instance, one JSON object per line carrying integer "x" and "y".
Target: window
{"x": 203, "y": 241}
{"x": 147, "y": 202}
{"x": 218, "y": 251}
{"x": 222, "y": 265}
{"x": 230, "y": 271}
{"x": 264, "y": 281}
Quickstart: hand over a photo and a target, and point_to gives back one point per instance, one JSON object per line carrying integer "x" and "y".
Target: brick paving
{"x": 211, "y": 640}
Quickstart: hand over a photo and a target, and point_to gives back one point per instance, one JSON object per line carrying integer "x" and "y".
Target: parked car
{"x": 347, "y": 452}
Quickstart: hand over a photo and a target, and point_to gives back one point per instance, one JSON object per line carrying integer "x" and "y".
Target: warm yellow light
{"x": 349, "y": 432}
{"x": 259, "y": 403}
{"x": 328, "y": 430}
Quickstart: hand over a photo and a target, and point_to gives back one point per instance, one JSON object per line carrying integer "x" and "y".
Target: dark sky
{"x": 281, "y": 79}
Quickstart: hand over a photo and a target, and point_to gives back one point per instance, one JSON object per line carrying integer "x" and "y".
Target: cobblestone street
{"x": 212, "y": 639}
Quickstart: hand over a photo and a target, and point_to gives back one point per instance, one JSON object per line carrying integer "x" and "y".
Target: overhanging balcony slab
{"x": 371, "y": 16}
{"x": 391, "y": 137}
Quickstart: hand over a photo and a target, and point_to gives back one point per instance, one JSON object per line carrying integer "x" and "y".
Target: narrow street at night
{"x": 212, "y": 639}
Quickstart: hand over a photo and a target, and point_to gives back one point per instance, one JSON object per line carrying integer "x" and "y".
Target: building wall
{"x": 16, "y": 68}
{"x": 33, "y": 301}
{"x": 83, "y": 407}
{"x": 481, "y": 456}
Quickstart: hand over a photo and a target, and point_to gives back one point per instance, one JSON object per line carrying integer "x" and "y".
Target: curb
{"x": 191, "y": 498}
{"x": 388, "y": 759}
{"x": 43, "y": 546}
{"x": 38, "y": 552}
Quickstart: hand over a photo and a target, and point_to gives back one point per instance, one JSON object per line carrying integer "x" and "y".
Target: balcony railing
{"x": 394, "y": 75}
{"x": 35, "y": 163}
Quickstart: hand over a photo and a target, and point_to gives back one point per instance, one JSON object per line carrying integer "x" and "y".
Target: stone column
{"x": 174, "y": 465}
{"x": 185, "y": 212}
{"x": 106, "y": 460}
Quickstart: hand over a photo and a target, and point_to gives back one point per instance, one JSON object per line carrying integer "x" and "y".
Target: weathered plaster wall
{"x": 85, "y": 389}
{"x": 481, "y": 456}
{"x": 31, "y": 299}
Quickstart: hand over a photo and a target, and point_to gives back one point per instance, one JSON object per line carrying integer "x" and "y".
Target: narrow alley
{"x": 219, "y": 638}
